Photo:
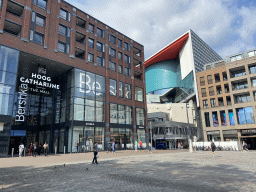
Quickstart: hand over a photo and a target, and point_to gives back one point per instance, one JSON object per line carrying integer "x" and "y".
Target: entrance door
{"x": 251, "y": 143}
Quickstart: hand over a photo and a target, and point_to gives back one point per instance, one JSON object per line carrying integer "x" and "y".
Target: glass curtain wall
{"x": 8, "y": 70}
{"x": 120, "y": 114}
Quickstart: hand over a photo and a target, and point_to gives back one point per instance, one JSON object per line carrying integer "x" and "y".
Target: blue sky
{"x": 227, "y": 26}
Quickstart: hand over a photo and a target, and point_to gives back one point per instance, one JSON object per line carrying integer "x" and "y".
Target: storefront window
{"x": 129, "y": 139}
{"x": 77, "y": 138}
{"x": 207, "y": 119}
{"x": 140, "y": 120}
{"x": 88, "y": 140}
{"x": 128, "y": 115}
{"x": 113, "y": 113}
{"x": 215, "y": 119}
{"x": 121, "y": 114}
{"x": 213, "y": 136}
{"x": 142, "y": 137}
{"x": 223, "y": 118}
{"x": 231, "y": 117}
{"x": 245, "y": 115}
{"x": 99, "y": 137}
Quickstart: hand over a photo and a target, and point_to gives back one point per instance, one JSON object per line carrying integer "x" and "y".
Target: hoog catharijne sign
{"x": 41, "y": 82}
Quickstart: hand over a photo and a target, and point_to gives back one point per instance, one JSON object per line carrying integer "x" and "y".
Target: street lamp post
{"x": 190, "y": 143}
{"x": 150, "y": 123}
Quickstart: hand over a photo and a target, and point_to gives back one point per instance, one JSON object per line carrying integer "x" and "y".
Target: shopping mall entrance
{"x": 40, "y": 104}
{"x": 251, "y": 142}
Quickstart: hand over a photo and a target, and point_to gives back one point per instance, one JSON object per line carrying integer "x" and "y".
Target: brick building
{"x": 227, "y": 99}
{"x": 67, "y": 78}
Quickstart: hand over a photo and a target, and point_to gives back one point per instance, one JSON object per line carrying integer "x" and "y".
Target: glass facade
{"x": 8, "y": 72}
{"x": 245, "y": 115}
{"x": 120, "y": 114}
{"x": 64, "y": 107}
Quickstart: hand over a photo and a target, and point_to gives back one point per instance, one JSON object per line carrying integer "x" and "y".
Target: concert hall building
{"x": 68, "y": 79}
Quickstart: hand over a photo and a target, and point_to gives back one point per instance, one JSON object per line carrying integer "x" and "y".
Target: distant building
{"x": 171, "y": 78}
{"x": 227, "y": 95}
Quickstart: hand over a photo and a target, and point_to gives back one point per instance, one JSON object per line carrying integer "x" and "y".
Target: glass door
{"x": 88, "y": 140}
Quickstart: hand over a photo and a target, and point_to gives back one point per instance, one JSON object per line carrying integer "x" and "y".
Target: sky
{"x": 227, "y": 26}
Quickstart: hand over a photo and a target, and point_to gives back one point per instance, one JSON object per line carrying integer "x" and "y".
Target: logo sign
{"x": 41, "y": 81}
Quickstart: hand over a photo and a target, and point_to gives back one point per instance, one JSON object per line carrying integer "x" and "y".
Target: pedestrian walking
{"x": 141, "y": 146}
{"x": 245, "y": 146}
{"x": 45, "y": 146}
{"x": 213, "y": 146}
{"x": 21, "y": 148}
{"x": 31, "y": 148}
{"x": 39, "y": 148}
{"x": 34, "y": 149}
{"x": 113, "y": 147}
{"x": 95, "y": 153}
{"x": 179, "y": 145}
{"x": 136, "y": 145}
{"x": 149, "y": 147}
{"x": 77, "y": 147}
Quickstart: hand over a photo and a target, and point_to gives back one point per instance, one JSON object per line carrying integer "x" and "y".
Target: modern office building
{"x": 171, "y": 78}
{"x": 67, "y": 78}
{"x": 227, "y": 94}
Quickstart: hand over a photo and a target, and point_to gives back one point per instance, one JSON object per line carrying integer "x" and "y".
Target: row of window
{"x": 213, "y": 102}
{"x": 244, "y": 116}
{"x": 210, "y": 79}
{"x": 128, "y": 91}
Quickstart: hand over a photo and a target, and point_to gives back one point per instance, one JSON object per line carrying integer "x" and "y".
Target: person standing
{"x": 113, "y": 147}
{"x": 136, "y": 145}
{"x": 213, "y": 146}
{"x": 179, "y": 145}
{"x": 149, "y": 147}
{"x": 45, "y": 146}
{"x": 21, "y": 148}
{"x": 141, "y": 145}
{"x": 95, "y": 153}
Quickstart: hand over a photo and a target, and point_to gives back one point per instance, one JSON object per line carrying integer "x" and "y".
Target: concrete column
{"x": 240, "y": 144}
{"x": 221, "y": 136}
{"x": 205, "y": 136}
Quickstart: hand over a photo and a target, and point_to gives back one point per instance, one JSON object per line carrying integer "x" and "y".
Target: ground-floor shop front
{"x": 45, "y": 101}
{"x": 247, "y": 136}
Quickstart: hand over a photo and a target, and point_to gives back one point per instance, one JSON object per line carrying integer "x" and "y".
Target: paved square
{"x": 130, "y": 171}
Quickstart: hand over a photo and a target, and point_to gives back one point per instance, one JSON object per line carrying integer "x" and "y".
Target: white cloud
{"x": 156, "y": 23}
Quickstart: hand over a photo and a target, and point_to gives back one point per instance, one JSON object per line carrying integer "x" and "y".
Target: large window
{"x": 207, "y": 119}
{"x": 138, "y": 94}
{"x": 100, "y": 61}
{"x": 8, "y": 69}
{"x": 91, "y": 28}
{"x": 112, "y": 52}
{"x": 126, "y": 46}
{"x": 112, "y": 39}
{"x": 91, "y": 57}
{"x": 127, "y": 71}
{"x": 64, "y": 14}
{"x": 128, "y": 91}
{"x": 205, "y": 104}
{"x": 215, "y": 119}
{"x": 140, "y": 119}
{"x": 90, "y": 42}
{"x": 242, "y": 98}
{"x": 62, "y": 47}
{"x": 223, "y": 118}
{"x": 120, "y": 114}
{"x": 39, "y": 38}
{"x": 40, "y": 20}
{"x": 213, "y": 103}
{"x": 62, "y": 30}
{"x": 100, "y": 47}
{"x": 41, "y": 3}
{"x": 112, "y": 66}
{"x": 231, "y": 117}
{"x": 245, "y": 115}
{"x": 127, "y": 59}
{"x": 112, "y": 87}
{"x": 89, "y": 96}
{"x": 121, "y": 89}
{"x": 100, "y": 32}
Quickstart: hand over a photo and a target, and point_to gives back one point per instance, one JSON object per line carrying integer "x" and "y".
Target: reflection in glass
{"x": 140, "y": 116}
